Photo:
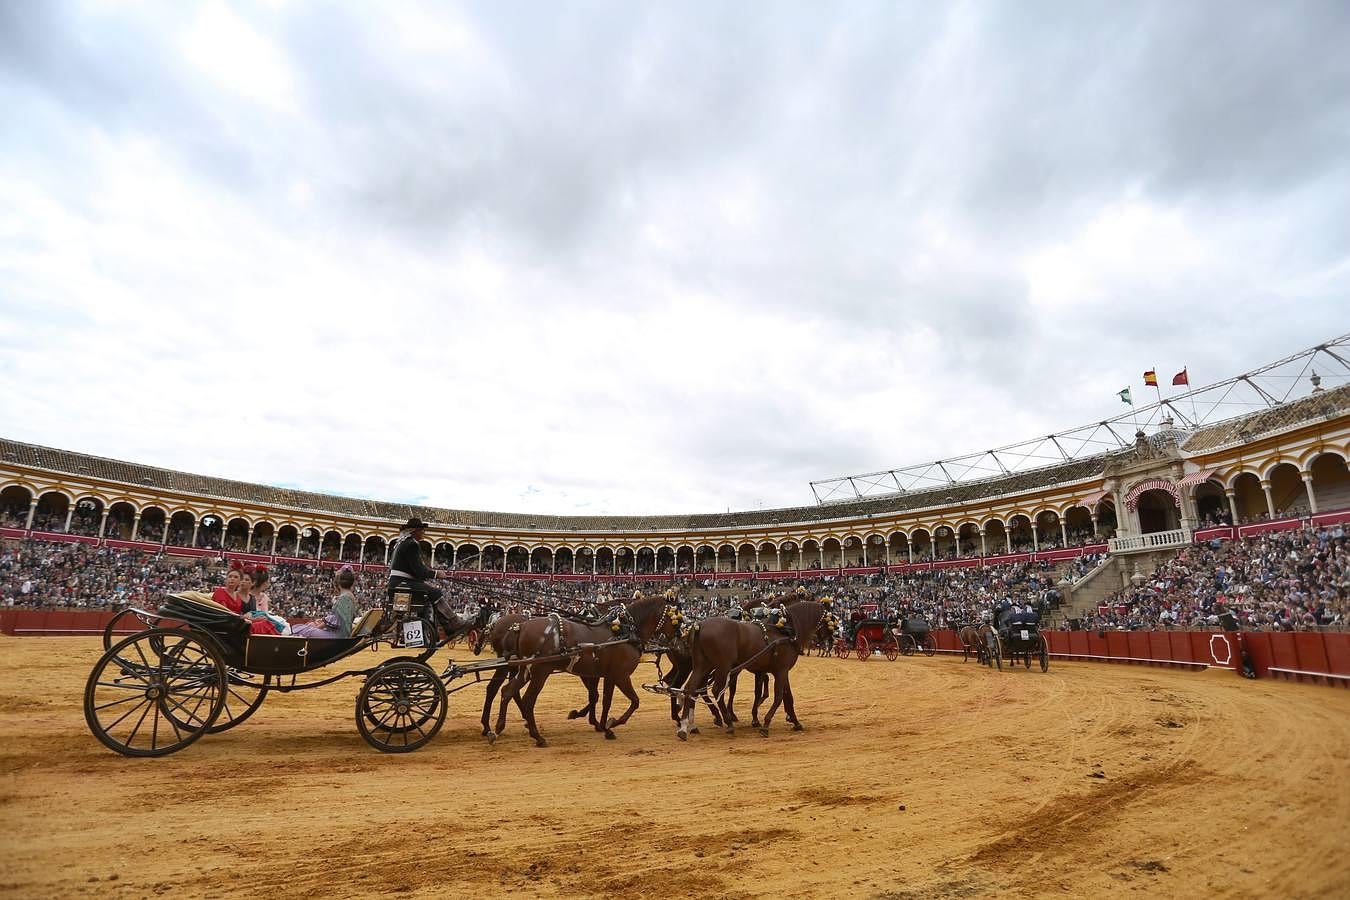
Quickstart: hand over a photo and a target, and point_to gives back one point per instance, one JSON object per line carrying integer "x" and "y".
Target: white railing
{"x": 1158, "y": 540}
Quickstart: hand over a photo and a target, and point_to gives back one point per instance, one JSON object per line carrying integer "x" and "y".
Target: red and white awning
{"x": 1196, "y": 477}
{"x": 1091, "y": 500}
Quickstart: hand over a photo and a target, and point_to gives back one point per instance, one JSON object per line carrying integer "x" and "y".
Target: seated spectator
{"x": 338, "y": 623}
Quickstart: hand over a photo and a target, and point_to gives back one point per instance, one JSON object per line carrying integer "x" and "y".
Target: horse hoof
{"x": 611, "y": 724}
{"x": 694, "y": 730}
{"x": 609, "y": 736}
{"x": 755, "y": 724}
{"x": 491, "y": 737}
{"x": 682, "y": 735}
{"x": 764, "y": 732}
{"x": 540, "y": 742}
{"x": 574, "y": 714}
{"x": 731, "y": 731}
{"x": 797, "y": 726}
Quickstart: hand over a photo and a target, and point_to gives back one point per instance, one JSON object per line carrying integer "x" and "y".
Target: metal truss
{"x": 1272, "y": 385}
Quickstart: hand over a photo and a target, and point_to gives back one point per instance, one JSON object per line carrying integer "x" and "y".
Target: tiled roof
{"x": 1324, "y": 404}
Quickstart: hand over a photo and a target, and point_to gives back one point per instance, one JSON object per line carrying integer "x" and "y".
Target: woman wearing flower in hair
{"x": 234, "y": 595}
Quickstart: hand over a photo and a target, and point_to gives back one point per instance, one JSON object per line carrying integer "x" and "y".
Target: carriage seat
{"x": 367, "y": 624}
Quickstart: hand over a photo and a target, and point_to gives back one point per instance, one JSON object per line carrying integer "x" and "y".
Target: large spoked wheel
{"x": 995, "y": 650}
{"x": 890, "y": 649}
{"x": 929, "y": 644}
{"x": 401, "y": 706}
{"x": 244, "y": 693}
{"x": 907, "y": 645}
{"x": 155, "y": 692}
{"x": 861, "y": 648}
{"x": 1045, "y": 655}
{"x": 471, "y": 640}
{"x": 840, "y": 649}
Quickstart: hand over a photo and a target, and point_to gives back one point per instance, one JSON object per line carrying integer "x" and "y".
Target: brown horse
{"x": 971, "y": 643}
{"x": 721, "y": 646}
{"x": 602, "y": 655}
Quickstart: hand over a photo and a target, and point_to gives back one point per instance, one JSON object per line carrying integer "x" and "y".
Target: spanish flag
{"x": 1151, "y": 378}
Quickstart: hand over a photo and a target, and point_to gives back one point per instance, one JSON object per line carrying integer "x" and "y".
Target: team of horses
{"x": 603, "y": 651}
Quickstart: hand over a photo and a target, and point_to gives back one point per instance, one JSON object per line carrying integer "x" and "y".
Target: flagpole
{"x": 1195, "y": 417}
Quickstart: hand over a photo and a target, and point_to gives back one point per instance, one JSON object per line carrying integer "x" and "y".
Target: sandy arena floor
{"x": 919, "y": 778}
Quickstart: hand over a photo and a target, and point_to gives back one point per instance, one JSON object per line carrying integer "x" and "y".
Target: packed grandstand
{"x": 1242, "y": 516}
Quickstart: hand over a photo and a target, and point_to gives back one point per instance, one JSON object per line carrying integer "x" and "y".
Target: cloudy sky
{"x": 647, "y": 257}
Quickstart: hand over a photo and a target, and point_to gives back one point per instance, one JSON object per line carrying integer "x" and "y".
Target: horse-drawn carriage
{"x": 888, "y": 637}
{"x": 1017, "y": 640}
{"x": 195, "y": 669}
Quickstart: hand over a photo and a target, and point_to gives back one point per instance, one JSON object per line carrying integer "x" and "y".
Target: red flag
{"x": 1151, "y": 378}
{"x": 1180, "y": 378}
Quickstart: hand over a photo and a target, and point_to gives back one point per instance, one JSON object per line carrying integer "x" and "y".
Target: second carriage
{"x": 891, "y": 638}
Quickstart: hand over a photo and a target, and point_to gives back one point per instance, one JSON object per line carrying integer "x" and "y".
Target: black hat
{"x": 414, "y": 523}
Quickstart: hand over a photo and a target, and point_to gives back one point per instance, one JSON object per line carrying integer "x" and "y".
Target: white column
{"x": 984, "y": 548}
{"x": 32, "y": 509}
{"x": 196, "y": 523}
{"x": 1308, "y": 486}
{"x": 1063, "y": 533}
{"x": 1270, "y": 501}
{"x": 454, "y": 557}
{"x": 318, "y": 548}
{"x": 778, "y": 559}
{"x": 1035, "y": 542}
{"x": 70, "y": 512}
{"x": 275, "y": 533}
{"x": 103, "y": 522}
{"x": 909, "y": 544}
{"x": 135, "y": 525}
{"x": 1232, "y": 504}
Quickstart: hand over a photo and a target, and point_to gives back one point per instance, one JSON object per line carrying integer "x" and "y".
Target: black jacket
{"x": 407, "y": 557}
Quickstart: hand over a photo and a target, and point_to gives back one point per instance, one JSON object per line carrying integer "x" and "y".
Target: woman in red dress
{"x": 234, "y": 595}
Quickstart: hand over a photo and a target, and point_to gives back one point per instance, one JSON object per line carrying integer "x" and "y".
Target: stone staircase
{"x": 1086, "y": 594}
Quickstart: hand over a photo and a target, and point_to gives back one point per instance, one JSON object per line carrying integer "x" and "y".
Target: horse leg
{"x": 730, "y": 706}
{"x": 773, "y": 708}
{"x": 625, "y": 684}
{"x": 789, "y": 709}
{"x": 761, "y": 692}
{"x": 693, "y": 683}
{"x": 494, "y": 685}
{"x": 592, "y": 694}
{"x": 511, "y": 692}
{"x": 719, "y": 690}
{"x": 608, "y": 727}
{"x": 537, "y": 679}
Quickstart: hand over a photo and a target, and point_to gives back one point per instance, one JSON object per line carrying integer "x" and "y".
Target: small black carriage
{"x": 916, "y": 637}
{"x": 1020, "y": 641}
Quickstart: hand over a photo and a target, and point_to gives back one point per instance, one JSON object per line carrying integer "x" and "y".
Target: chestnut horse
{"x": 721, "y": 646}
{"x": 615, "y": 662}
{"x": 971, "y": 643}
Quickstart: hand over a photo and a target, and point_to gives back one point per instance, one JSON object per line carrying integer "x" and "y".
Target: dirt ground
{"x": 918, "y": 778}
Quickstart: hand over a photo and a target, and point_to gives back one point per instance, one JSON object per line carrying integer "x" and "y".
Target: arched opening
{"x": 968, "y": 540}
{"x": 236, "y": 536}
{"x": 468, "y": 556}
{"x": 211, "y": 533}
{"x": 88, "y": 516}
{"x": 1330, "y": 482}
{"x": 1157, "y": 512}
{"x": 375, "y": 549}
{"x": 874, "y": 550}
{"x": 922, "y": 542}
{"x": 1287, "y": 492}
{"x": 427, "y": 550}
{"x": 310, "y": 540}
{"x": 1078, "y": 524}
{"x": 541, "y": 560}
{"x": 1047, "y": 530}
{"x": 52, "y": 509}
{"x": 726, "y": 558}
{"x": 684, "y": 560}
{"x": 812, "y": 556}
{"x": 442, "y": 554}
{"x": 493, "y": 559}
{"x": 996, "y": 538}
{"x": 665, "y": 560}
{"x": 604, "y": 561}
{"x": 563, "y": 561}
{"x": 853, "y": 552}
{"x": 351, "y": 548}
{"x": 180, "y": 528}
{"x": 705, "y": 559}
{"x": 1248, "y": 497}
{"x": 745, "y": 558}
{"x": 14, "y": 503}
{"x": 944, "y": 542}
{"x": 790, "y": 558}
{"x": 517, "y": 559}
{"x": 833, "y": 552}
{"x": 1019, "y": 534}
{"x": 899, "y": 542}
{"x": 585, "y": 561}
{"x": 1106, "y": 520}
{"x": 121, "y": 519}
{"x": 154, "y": 524}
{"x": 644, "y": 561}
{"x": 1211, "y": 506}
{"x": 288, "y": 541}
{"x": 332, "y": 546}
{"x": 626, "y": 560}
{"x": 261, "y": 542}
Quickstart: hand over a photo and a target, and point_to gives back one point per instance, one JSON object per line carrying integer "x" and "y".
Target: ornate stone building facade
{"x": 1289, "y": 460}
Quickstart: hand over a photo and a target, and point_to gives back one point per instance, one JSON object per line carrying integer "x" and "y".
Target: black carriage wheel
{"x": 907, "y": 645}
{"x": 1045, "y": 655}
{"x": 401, "y": 706}
{"x": 861, "y": 648}
{"x": 890, "y": 649}
{"x": 244, "y": 694}
{"x": 929, "y": 644}
{"x": 154, "y": 692}
{"x": 996, "y": 652}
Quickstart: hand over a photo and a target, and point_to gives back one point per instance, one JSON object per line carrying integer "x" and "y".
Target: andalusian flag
{"x": 1151, "y": 378}
{"x": 1125, "y": 397}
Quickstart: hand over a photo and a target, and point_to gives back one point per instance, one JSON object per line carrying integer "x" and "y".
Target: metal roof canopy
{"x": 1270, "y": 386}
